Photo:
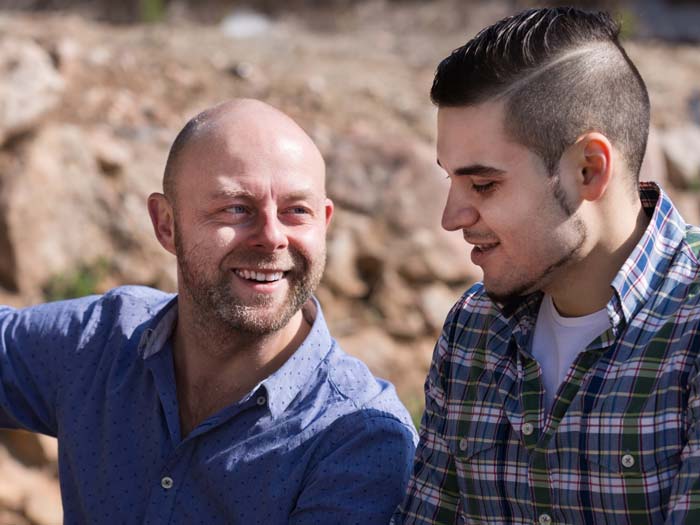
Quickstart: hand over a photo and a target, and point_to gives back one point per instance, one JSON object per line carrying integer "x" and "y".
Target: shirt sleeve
{"x": 34, "y": 343}
{"x": 684, "y": 503}
{"x": 432, "y": 496}
{"x": 362, "y": 472}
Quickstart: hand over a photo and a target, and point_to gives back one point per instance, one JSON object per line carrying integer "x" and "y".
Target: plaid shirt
{"x": 622, "y": 442}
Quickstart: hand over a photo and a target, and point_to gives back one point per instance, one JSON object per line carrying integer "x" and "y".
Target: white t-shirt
{"x": 558, "y": 340}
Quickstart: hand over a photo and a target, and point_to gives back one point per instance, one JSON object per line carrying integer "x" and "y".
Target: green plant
{"x": 83, "y": 281}
{"x": 151, "y": 11}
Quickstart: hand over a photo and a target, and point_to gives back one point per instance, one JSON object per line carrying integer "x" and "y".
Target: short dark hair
{"x": 561, "y": 72}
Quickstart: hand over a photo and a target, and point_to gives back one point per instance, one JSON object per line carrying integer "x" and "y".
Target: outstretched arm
{"x": 33, "y": 344}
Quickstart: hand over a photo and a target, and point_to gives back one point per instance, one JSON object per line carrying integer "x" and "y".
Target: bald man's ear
{"x": 329, "y": 210}
{"x": 163, "y": 220}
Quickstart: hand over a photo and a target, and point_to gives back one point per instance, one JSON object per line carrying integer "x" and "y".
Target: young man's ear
{"x": 163, "y": 220}
{"x": 595, "y": 162}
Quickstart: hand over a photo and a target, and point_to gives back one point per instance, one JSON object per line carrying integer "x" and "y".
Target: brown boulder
{"x": 30, "y": 86}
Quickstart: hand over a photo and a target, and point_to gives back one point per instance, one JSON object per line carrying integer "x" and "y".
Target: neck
{"x": 215, "y": 365}
{"x": 585, "y": 287}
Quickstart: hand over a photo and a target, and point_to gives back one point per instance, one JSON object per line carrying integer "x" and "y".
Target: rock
{"x": 30, "y": 491}
{"x": 432, "y": 254}
{"x": 8, "y": 517}
{"x": 341, "y": 273}
{"x": 43, "y": 505}
{"x": 436, "y": 301}
{"x": 25, "y": 446}
{"x": 687, "y": 203}
{"x": 30, "y": 86}
{"x": 245, "y": 24}
{"x": 61, "y": 212}
{"x": 682, "y": 149}
{"x": 12, "y": 493}
{"x": 654, "y": 165}
{"x": 58, "y": 209}
{"x": 50, "y": 447}
{"x": 373, "y": 346}
{"x": 397, "y": 303}
{"x": 111, "y": 153}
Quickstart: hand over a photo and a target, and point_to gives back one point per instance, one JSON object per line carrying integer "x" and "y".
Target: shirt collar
{"x": 641, "y": 274}
{"x": 645, "y": 269}
{"x": 283, "y": 385}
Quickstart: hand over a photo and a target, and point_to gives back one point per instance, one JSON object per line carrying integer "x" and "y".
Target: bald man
{"x": 229, "y": 402}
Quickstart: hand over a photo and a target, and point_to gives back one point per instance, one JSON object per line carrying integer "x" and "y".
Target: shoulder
{"x": 129, "y": 305}
{"x": 473, "y": 308}
{"x": 369, "y": 399}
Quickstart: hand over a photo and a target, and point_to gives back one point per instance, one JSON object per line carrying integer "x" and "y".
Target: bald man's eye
{"x": 237, "y": 209}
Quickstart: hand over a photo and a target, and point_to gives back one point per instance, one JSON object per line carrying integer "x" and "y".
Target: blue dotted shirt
{"x": 319, "y": 441}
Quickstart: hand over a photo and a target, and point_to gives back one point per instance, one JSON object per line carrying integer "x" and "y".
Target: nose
{"x": 270, "y": 234}
{"x": 459, "y": 212}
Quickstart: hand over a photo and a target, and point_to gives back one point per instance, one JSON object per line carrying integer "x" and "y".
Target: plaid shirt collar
{"x": 639, "y": 277}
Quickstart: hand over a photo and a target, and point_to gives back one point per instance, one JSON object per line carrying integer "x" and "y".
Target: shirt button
{"x": 261, "y": 400}
{"x": 545, "y": 519}
{"x": 528, "y": 429}
{"x": 463, "y": 444}
{"x": 166, "y": 482}
{"x": 628, "y": 461}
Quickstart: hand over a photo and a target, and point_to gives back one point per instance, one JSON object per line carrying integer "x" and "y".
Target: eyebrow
{"x": 476, "y": 169}
{"x": 231, "y": 194}
{"x": 223, "y": 194}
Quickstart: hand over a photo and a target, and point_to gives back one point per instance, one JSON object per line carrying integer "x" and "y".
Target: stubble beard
{"x": 215, "y": 302}
{"x": 533, "y": 284}
{"x": 538, "y": 281}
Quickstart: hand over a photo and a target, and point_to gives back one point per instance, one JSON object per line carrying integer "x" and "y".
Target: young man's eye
{"x": 484, "y": 188}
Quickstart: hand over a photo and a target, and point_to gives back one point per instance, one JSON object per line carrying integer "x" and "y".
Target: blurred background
{"x": 92, "y": 93}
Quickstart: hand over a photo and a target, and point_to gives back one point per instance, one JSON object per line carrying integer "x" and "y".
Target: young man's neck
{"x": 216, "y": 366}
{"x": 585, "y": 286}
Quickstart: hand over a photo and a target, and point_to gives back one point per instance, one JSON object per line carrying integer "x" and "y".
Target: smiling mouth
{"x": 485, "y": 247}
{"x": 267, "y": 276}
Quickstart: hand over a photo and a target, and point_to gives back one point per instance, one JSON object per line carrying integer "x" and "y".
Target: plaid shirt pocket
{"x": 630, "y": 462}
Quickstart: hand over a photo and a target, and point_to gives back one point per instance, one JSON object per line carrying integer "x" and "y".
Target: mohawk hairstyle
{"x": 561, "y": 72}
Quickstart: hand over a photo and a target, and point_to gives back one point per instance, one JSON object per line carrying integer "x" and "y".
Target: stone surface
{"x": 681, "y": 146}
{"x": 30, "y": 85}
{"x": 436, "y": 301}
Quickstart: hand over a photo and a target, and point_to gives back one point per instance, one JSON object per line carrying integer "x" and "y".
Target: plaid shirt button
{"x": 545, "y": 519}
{"x": 628, "y": 461}
{"x": 462, "y": 444}
{"x": 527, "y": 429}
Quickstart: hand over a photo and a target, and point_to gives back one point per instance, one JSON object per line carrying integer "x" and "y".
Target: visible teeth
{"x": 260, "y": 276}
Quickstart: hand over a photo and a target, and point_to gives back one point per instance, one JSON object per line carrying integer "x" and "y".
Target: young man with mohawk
{"x": 565, "y": 387}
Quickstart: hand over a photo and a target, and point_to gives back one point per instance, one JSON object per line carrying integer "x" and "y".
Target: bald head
{"x": 243, "y": 128}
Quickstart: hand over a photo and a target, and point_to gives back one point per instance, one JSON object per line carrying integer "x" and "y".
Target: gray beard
{"x": 215, "y": 303}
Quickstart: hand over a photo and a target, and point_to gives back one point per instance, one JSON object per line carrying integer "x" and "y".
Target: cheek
{"x": 311, "y": 242}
